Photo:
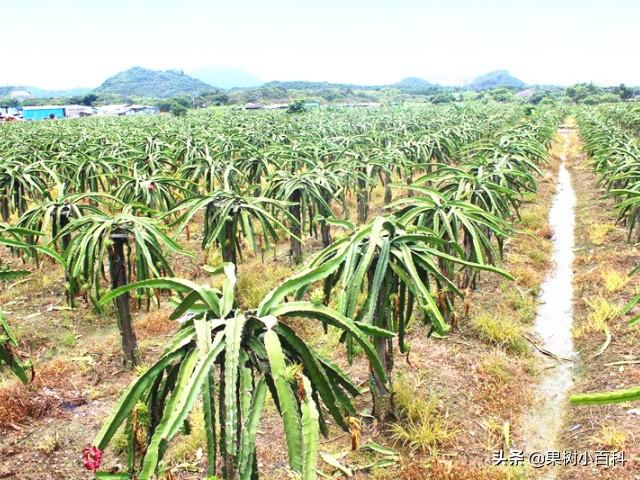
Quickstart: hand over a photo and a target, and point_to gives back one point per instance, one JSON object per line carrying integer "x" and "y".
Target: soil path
{"x": 553, "y": 325}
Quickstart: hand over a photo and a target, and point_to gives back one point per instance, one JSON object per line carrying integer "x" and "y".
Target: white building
{"x": 77, "y": 111}
{"x": 122, "y": 110}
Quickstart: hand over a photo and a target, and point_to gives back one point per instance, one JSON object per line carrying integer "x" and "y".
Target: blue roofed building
{"x": 42, "y": 113}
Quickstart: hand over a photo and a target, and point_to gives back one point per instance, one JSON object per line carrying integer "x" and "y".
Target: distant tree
{"x": 577, "y": 93}
{"x": 443, "y": 97}
{"x": 501, "y": 94}
{"x": 178, "y": 110}
{"x": 469, "y": 95}
{"x": 184, "y": 100}
{"x": 88, "y": 99}
{"x": 164, "y": 105}
{"x": 539, "y": 96}
{"x": 592, "y": 88}
{"x": 34, "y": 102}
{"x": 581, "y": 91}
{"x": 609, "y": 97}
{"x": 625, "y": 92}
{"x": 273, "y": 92}
{"x": 9, "y": 102}
{"x": 207, "y": 99}
{"x": 330, "y": 95}
{"x": 220, "y": 99}
{"x": 391, "y": 96}
{"x": 297, "y": 106}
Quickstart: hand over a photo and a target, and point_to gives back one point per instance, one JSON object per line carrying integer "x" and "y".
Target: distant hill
{"x": 409, "y": 84}
{"x": 413, "y": 82}
{"x": 226, "y": 77}
{"x": 305, "y": 85}
{"x": 496, "y": 79}
{"x": 143, "y": 82}
{"x": 42, "y": 93}
{"x": 415, "y": 85}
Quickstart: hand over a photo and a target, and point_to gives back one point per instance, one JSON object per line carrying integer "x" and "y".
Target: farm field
{"x": 337, "y": 293}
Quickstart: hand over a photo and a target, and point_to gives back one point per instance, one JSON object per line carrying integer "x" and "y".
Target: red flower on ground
{"x": 91, "y": 457}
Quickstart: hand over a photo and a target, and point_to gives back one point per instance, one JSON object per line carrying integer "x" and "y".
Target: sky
{"x": 78, "y": 43}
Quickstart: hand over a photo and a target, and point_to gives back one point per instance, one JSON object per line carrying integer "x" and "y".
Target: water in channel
{"x": 553, "y": 325}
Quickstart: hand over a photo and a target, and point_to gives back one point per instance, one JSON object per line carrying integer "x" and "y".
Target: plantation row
{"x": 624, "y": 115}
{"x": 610, "y": 139}
{"x": 108, "y": 200}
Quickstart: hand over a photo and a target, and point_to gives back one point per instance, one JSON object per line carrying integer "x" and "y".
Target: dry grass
{"x": 255, "y": 281}
{"x": 424, "y": 426}
{"x": 49, "y": 443}
{"x": 533, "y": 219}
{"x": 497, "y": 367}
{"x": 599, "y": 232}
{"x": 610, "y": 436}
{"x": 500, "y": 330}
{"x": 601, "y": 313}
{"x": 546, "y": 232}
{"x": 450, "y": 470}
{"x": 601, "y": 286}
{"x": 614, "y": 281}
{"x": 48, "y": 391}
{"x": 523, "y": 304}
{"x": 188, "y": 448}
{"x": 529, "y": 252}
{"x": 154, "y": 323}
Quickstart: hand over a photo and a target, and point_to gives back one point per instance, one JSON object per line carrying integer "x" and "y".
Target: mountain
{"x": 496, "y": 79}
{"x": 306, "y": 85}
{"x": 42, "y": 93}
{"x": 415, "y": 85}
{"x": 143, "y": 82}
{"x": 409, "y": 85}
{"x": 226, "y": 77}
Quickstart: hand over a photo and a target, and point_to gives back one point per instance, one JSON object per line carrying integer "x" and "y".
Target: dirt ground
{"x": 603, "y": 259}
{"x": 480, "y": 386}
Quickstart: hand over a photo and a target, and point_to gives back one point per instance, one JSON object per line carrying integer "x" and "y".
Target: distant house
{"x": 8, "y": 114}
{"x": 6, "y": 110}
{"x": 112, "y": 110}
{"x": 77, "y": 111}
{"x": 525, "y": 94}
{"x": 142, "y": 110}
{"x": 358, "y": 105}
{"x": 276, "y": 106}
{"x": 44, "y": 112}
{"x": 122, "y": 110}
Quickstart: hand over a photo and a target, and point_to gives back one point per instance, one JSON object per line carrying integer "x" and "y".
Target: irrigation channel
{"x": 553, "y": 324}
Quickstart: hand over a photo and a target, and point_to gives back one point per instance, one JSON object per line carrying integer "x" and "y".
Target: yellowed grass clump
{"x": 501, "y": 331}
{"x": 424, "y": 426}
{"x": 610, "y": 436}
{"x": 598, "y": 233}
{"x": 601, "y": 312}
